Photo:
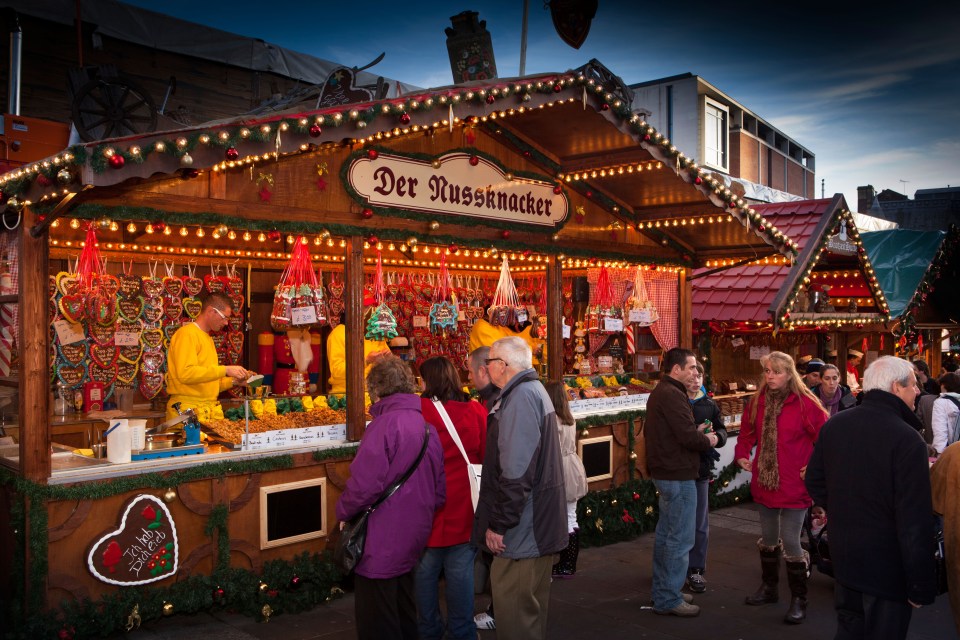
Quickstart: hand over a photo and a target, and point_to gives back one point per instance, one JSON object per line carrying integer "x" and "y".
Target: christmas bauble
{"x": 474, "y": 161}
{"x": 186, "y": 160}
{"x": 372, "y": 154}
{"x": 64, "y": 176}
{"x": 167, "y": 608}
{"x": 366, "y": 214}
{"x": 315, "y": 131}
{"x": 169, "y": 495}
{"x": 232, "y": 153}
{"x": 117, "y": 161}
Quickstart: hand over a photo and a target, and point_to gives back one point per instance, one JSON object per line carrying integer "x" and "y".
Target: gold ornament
{"x": 435, "y": 164}
{"x": 649, "y": 510}
{"x": 64, "y": 176}
{"x": 613, "y": 502}
{"x": 633, "y": 455}
{"x": 362, "y": 124}
{"x": 267, "y": 611}
{"x": 434, "y": 225}
{"x": 168, "y": 608}
{"x": 555, "y": 237}
{"x": 599, "y": 524}
{"x": 589, "y": 511}
{"x": 169, "y": 495}
{"x": 412, "y": 241}
{"x": 186, "y": 160}
{"x": 263, "y": 587}
{"x": 324, "y": 234}
{"x": 133, "y": 620}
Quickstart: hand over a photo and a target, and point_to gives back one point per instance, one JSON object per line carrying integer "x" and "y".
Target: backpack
{"x": 953, "y": 435}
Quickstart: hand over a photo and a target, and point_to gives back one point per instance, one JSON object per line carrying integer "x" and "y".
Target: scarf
{"x": 768, "y": 467}
{"x": 831, "y": 404}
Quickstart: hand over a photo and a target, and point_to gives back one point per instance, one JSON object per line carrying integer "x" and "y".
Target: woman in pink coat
{"x": 783, "y": 420}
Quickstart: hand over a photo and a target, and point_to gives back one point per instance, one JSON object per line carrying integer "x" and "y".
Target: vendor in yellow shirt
{"x": 337, "y": 355}
{"x": 194, "y": 377}
{"x": 484, "y": 334}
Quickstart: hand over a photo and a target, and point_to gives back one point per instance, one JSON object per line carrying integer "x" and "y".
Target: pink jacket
{"x": 797, "y": 429}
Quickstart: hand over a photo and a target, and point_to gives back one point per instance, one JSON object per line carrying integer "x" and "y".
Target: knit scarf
{"x": 768, "y": 467}
{"x": 831, "y": 404}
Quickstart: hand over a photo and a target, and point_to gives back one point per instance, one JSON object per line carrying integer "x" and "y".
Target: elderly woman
{"x": 397, "y": 531}
{"x": 783, "y": 419}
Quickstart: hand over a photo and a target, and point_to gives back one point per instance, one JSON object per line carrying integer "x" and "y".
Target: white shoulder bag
{"x": 473, "y": 470}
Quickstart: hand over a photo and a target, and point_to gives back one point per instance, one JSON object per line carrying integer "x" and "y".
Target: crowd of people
{"x": 816, "y": 441}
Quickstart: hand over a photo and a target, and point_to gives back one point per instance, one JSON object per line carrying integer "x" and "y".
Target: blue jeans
{"x": 456, "y": 563}
{"x": 674, "y": 539}
{"x": 698, "y": 555}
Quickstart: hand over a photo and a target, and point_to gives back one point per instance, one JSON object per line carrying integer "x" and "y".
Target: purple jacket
{"x": 398, "y": 529}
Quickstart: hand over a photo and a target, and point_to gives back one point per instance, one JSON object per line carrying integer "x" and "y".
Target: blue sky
{"x": 874, "y": 92}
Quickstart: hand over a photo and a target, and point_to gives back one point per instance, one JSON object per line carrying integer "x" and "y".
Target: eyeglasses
{"x": 487, "y": 361}
{"x": 219, "y": 313}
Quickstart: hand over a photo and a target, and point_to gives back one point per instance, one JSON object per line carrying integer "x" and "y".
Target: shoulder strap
{"x": 396, "y": 485}
{"x": 452, "y": 430}
{"x": 953, "y": 400}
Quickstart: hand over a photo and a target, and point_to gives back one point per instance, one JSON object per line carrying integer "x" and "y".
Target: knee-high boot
{"x": 770, "y": 575}
{"x": 797, "y": 579}
{"x": 566, "y": 567}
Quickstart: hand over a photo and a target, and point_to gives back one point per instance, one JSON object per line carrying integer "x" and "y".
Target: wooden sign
{"x": 142, "y": 549}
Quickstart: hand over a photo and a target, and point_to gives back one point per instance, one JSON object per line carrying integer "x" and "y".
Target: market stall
{"x": 421, "y": 204}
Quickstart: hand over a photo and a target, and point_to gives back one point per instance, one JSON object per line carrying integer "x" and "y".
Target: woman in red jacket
{"x": 449, "y": 549}
{"x": 783, "y": 419}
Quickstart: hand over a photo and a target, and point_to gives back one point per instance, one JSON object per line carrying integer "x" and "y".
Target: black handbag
{"x": 349, "y": 547}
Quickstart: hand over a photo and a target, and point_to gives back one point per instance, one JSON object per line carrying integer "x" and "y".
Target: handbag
{"x": 473, "y": 470}
{"x": 353, "y": 535}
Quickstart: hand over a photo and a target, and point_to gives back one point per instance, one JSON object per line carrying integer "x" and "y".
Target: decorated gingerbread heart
{"x": 73, "y": 353}
{"x": 129, "y": 285}
{"x": 108, "y": 285}
{"x": 336, "y": 289}
{"x": 192, "y": 286}
{"x": 213, "y": 284}
{"x": 103, "y": 355}
{"x": 169, "y": 329}
{"x": 67, "y": 282}
{"x": 144, "y": 548}
{"x": 152, "y": 315}
{"x": 127, "y": 372}
{"x": 106, "y": 375}
{"x": 102, "y": 309}
{"x": 150, "y": 384}
{"x": 151, "y": 287}
{"x": 235, "y": 342}
{"x": 102, "y": 334}
{"x": 131, "y": 353}
{"x": 173, "y": 308}
{"x": 73, "y": 307}
{"x": 151, "y": 338}
{"x": 234, "y": 284}
{"x": 130, "y": 308}
{"x": 236, "y": 302}
{"x": 172, "y": 286}
{"x": 192, "y": 306}
{"x": 71, "y": 375}
{"x": 152, "y": 361}
{"x": 236, "y": 323}
{"x": 219, "y": 341}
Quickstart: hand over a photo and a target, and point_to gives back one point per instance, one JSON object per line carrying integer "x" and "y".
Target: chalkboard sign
{"x": 597, "y": 456}
{"x": 292, "y": 512}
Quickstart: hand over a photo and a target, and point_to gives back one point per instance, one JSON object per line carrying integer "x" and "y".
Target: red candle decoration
{"x": 232, "y": 153}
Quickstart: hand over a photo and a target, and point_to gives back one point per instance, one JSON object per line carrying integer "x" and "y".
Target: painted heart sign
{"x": 143, "y": 549}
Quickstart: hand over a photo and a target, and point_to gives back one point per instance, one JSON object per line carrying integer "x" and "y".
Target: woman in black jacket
{"x": 834, "y": 397}
{"x": 704, "y": 408}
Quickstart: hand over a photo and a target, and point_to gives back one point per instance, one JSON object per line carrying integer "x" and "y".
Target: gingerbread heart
{"x": 393, "y": 290}
{"x": 102, "y": 334}
{"x": 67, "y": 282}
{"x": 129, "y": 326}
{"x": 235, "y": 342}
{"x": 71, "y": 374}
{"x": 192, "y": 306}
{"x": 105, "y": 375}
{"x": 236, "y": 323}
{"x": 131, "y": 353}
{"x": 192, "y": 285}
{"x": 172, "y": 286}
{"x": 236, "y": 302}
{"x": 234, "y": 284}
{"x": 103, "y": 355}
{"x": 108, "y": 285}
{"x": 219, "y": 341}
{"x": 173, "y": 308}
{"x": 152, "y": 361}
{"x": 143, "y": 549}
{"x": 152, "y": 315}
{"x": 102, "y": 309}
{"x": 169, "y": 329}
{"x": 214, "y": 284}
{"x": 73, "y": 353}
{"x": 336, "y": 289}
{"x": 151, "y": 287}
{"x": 73, "y": 306}
{"x": 129, "y": 285}
{"x": 130, "y": 308}
{"x": 126, "y": 372}
{"x": 150, "y": 384}
{"x": 52, "y": 290}
{"x": 151, "y": 338}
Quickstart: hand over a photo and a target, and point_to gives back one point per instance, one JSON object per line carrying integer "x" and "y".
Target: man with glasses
{"x": 522, "y": 514}
{"x": 194, "y": 376}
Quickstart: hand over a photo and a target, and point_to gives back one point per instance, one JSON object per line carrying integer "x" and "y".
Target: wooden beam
{"x": 34, "y": 407}
{"x": 685, "y": 315}
{"x": 353, "y": 303}
{"x": 554, "y": 347}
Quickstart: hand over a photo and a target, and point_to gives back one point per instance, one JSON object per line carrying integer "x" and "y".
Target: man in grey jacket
{"x": 521, "y": 516}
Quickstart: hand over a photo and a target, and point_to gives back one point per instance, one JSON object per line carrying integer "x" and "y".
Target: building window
{"x": 715, "y": 135}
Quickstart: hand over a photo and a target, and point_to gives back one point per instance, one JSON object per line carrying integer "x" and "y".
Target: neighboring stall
{"x": 552, "y": 174}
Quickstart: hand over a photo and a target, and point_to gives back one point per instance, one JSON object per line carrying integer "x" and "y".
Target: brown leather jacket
{"x": 672, "y": 440}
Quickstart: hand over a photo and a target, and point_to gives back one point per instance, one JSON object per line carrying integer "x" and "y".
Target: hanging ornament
{"x": 434, "y": 225}
{"x": 474, "y": 161}
{"x": 168, "y": 608}
{"x": 404, "y": 118}
{"x": 169, "y": 495}
{"x": 232, "y": 154}
{"x": 186, "y": 160}
{"x": 382, "y": 324}
{"x": 267, "y": 611}
{"x": 315, "y": 131}
{"x": 263, "y": 586}
{"x": 443, "y": 313}
{"x": 366, "y": 214}
{"x": 117, "y": 161}
{"x": 372, "y": 154}
{"x": 64, "y": 176}
{"x": 295, "y": 582}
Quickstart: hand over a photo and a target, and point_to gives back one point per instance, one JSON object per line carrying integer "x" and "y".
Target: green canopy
{"x": 900, "y": 258}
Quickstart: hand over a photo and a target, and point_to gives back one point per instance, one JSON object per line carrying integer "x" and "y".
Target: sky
{"x": 874, "y": 93}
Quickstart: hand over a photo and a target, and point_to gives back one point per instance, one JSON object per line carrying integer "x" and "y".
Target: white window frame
{"x": 709, "y": 155}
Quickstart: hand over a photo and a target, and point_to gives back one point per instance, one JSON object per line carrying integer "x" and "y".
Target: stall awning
{"x": 902, "y": 258}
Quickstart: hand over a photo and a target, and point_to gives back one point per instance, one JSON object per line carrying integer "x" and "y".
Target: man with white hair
{"x": 869, "y": 471}
{"x": 522, "y": 513}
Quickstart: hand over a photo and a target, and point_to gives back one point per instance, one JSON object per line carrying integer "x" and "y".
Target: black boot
{"x": 574, "y": 548}
{"x": 770, "y": 576}
{"x": 567, "y": 565}
{"x": 797, "y": 579}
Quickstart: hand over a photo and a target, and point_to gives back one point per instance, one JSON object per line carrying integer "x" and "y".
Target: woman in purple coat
{"x": 397, "y": 531}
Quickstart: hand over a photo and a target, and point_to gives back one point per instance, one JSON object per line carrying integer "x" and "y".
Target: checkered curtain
{"x": 9, "y": 284}
{"x": 662, "y": 289}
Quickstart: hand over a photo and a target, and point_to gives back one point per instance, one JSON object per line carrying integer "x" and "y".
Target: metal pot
{"x": 160, "y": 441}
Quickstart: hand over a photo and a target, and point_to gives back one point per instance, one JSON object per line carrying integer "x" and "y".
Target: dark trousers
{"x": 385, "y": 608}
{"x": 861, "y": 616}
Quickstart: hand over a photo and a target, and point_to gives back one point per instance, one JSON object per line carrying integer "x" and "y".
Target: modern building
{"x": 741, "y": 147}
{"x": 930, "y": 209}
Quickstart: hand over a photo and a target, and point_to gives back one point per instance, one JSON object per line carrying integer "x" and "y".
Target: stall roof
{"x": 576, "y": 127}
{"x": 764, "y": 292}
{"x": 903, "y": 258}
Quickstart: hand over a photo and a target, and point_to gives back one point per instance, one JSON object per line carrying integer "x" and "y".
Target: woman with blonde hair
{"x": 783, "y": 420}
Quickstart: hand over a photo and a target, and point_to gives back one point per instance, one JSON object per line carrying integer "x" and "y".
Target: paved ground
{"x": 606, "y": 600}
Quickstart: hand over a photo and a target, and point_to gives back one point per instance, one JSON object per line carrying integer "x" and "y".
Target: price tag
{"x": 334, "y": 433}
{"x": 566, "y": 332}
{"x": 605, "y": 364}
{"x": 278, "y": 438}
{"x": 126, "y": 338}
{"x": 253, "y": 441}
{"x": 68, "y": 332}
{"x": 613, "y": 324}
{"x": 759, "y": 352}
{"x": 736, "y": 342}
{"x": 461, "y": 315}
{"x": 419, "y": 321}
{"x": 303, "y": 315}
{"x": 306, "y": 436}
{"x": 635, "y": 315}
{"x": 521, "y": 315}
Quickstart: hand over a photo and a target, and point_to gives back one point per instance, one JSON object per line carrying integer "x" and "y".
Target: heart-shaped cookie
{"x": 106, "y": 375}
{"x": 192, "y": 285}
{"x": 73, "y": 353}
{"x": 236, "y": 323}
{"x": 150, "y": 384}
{"x": 152, "y": 315}
{"x": 173, "y": 308}
{"x": 335, "y": 289}
{"x": 152, "y": 361}
{"x": 126, "y": 372}
{"x": 170, "y": 328}
{"x": 151, "y": 287}
{"x": 192, "y": 306}
{"x": 71, "y": 375}
{"x": 52, "y": 289}
{"x": 219, "y": 341}
{"x": 129, "y": 326}
{"x": 131, "y": 353}
{"x": 103, "y": 355}
{"x": 235, "y": 342}
{"x": 130, "y": 308}
{"x": 214, "y": 284}
{"x": 151, "y": 338}
{"x": 72, "y": 306}
{"x": 102, "y": 334}
{"x": 236, "y": 303}
{"x": 129, "y": 285}
{"x": 142, "y": 549}
{"x": 67, "y": 282}
{"x": 172, "y": 286}
{"x": 102, "y": 309}
{"x": 234, "y": 284}
{"x": 108, "y": 285}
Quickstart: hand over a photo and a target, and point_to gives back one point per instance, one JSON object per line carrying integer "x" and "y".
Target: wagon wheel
{"x": 112, "y": 107}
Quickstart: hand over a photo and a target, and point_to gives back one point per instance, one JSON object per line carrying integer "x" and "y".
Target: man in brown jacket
{"x": 674, "y": 443}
